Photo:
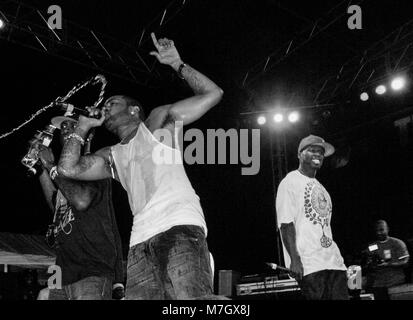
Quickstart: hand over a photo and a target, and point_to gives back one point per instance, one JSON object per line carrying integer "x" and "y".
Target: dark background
{"x": 225, "y": 40}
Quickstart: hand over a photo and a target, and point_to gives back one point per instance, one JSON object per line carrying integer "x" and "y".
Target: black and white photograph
{"x": 241, "y": 154}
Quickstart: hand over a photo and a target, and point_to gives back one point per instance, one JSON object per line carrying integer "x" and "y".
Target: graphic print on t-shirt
{"x": 62, "y": 221}
{"x": 64, "y": 218}
{"x": 318, "y": 209}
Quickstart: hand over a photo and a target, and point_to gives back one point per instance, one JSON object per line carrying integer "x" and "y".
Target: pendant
{"x": 325, "y": 241}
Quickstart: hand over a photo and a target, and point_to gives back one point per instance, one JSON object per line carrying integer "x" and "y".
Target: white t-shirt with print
{"x": 306, "y": 203}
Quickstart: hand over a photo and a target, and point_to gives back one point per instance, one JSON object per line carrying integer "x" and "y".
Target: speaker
{"x": 228, "y": 279}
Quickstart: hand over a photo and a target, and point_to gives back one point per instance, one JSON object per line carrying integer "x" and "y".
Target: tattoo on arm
{"x": 70, "y": 154}
{"x": 207, "y": 95}
{"x": 85, "y": 163}
{"x": 72, "y": 162}
{"x": 199, "y": 83}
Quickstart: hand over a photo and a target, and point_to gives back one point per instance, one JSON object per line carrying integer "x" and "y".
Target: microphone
{"x": 275, "y": 266}
{"x": 71, "y": 111}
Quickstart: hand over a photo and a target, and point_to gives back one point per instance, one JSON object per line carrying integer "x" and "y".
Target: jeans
{"x": 90, "y": 288}
{"x": 174, "y": 264}
{"x": 325, "y": 285}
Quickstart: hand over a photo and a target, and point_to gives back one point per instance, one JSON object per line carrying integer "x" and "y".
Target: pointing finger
{"x": 155, "y": 42}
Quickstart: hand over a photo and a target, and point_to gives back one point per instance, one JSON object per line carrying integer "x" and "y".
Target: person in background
{"x": 387, "y": 257}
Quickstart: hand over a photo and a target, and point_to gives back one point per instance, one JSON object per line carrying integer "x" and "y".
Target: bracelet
{"x": 181, "y": 66}
{"x": 77, "y": 137}
{"x": 53, "y": 173}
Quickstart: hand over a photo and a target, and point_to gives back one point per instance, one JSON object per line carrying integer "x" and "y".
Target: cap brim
{"x": 328, "y": 148}
{"x": 57, "y": 121}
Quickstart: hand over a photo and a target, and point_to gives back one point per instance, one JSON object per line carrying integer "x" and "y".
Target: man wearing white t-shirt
{"x": 304, "y": 212}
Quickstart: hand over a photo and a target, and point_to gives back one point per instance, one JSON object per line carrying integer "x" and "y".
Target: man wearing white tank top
{"x": 168, "y": 256}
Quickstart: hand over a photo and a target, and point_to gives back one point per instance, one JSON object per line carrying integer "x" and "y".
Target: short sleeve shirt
{"x": 306, "y": 203}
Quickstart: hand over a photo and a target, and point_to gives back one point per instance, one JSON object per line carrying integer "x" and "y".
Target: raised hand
{"x": 86, "y": 123}
{"x": 166, "y": 52}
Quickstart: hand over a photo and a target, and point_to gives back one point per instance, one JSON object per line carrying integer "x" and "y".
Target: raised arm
{"x": 207, "y": 93}
{"x": 88, "y": 167}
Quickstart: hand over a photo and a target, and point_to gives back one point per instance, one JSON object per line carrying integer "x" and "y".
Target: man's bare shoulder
{"x": 156, "y": 118}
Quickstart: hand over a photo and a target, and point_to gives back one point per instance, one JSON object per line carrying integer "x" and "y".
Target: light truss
{"x": 391, "y": 54}
{"x": 27, "y": 26}
{"x": 305, "y": 36}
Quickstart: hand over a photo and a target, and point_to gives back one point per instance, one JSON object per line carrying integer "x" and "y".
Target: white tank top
{"x": 160, "y": 194}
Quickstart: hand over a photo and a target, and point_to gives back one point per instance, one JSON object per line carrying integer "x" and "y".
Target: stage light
{"x": 364, "y": 96}
{"x": 278, "y": 117}
{"x": 398, "y": 83}
{"x": 2, "y": 24}
{"x": 381, "y": 89}
{"x": 261, "y": 120}
{"x": 293, "y": 116}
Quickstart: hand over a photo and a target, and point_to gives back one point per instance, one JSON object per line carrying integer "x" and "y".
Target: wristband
{"x": 181, "y": 66}
{"x": 77, "y": 137}
{"x": 53, "y": 173}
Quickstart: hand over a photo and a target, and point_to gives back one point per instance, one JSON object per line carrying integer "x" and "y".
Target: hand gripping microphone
{"x": 275, "y": 266}
{"x": 72, "y": 111}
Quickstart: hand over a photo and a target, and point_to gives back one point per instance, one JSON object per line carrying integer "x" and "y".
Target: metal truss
{"x": 305, "y": 36}
{"x": 385, "y": 57}
{"x": 28, "y": 27}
